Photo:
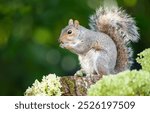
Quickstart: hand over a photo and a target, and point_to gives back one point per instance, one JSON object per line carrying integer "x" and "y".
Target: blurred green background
{"x": 29, "y": 30}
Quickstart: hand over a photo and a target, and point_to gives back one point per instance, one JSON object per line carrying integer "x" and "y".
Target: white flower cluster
{"x": 49, "y": 86}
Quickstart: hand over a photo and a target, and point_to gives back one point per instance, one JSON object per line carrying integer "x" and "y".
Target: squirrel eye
{"x": 69, "y": 31}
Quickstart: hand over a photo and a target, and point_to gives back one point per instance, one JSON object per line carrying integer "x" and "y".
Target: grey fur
{"x": 106, "y": 48}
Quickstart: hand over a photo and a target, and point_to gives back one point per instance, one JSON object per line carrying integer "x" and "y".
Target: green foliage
{"x": 128, "y": 83}
{"x": 130, "y": 2}
{"x": 144, "y": 59}
{"x": 49, "y": 86}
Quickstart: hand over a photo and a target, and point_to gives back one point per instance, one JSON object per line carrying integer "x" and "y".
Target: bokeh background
{"x": 29, "y": 32}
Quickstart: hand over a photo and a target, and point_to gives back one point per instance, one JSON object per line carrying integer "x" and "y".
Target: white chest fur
{"x": 88, "y": 61}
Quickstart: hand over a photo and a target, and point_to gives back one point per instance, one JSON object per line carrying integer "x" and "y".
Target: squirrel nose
{"x": 60, "y": 41}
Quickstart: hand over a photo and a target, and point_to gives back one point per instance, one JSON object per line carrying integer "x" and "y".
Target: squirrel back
{"x": 121, "y": 28}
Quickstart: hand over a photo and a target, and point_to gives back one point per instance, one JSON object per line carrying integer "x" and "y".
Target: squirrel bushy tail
{"x": 121, "y": 28}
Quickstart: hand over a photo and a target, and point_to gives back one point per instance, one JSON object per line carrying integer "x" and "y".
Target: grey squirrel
{"x": 104, "y": 49}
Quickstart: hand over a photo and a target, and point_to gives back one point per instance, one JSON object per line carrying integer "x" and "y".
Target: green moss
{"x": 82, "y": 90}
{"x": 71, "y": 85}
{"x": 144, "y": 59}
{"x": 123, "y": 84}
{"x": 68, "y": 86}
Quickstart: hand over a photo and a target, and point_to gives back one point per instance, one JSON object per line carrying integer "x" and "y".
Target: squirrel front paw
{"x": 79, "y": 73}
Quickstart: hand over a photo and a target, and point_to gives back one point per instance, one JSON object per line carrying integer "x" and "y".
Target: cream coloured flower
{"x": 49, "y": 86}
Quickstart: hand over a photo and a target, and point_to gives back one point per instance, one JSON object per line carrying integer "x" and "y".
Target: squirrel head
{"x": 70, "y": 34}
{"x": 73, "y": 38}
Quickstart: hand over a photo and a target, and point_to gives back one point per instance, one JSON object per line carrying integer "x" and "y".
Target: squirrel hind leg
{"x": 101, "y": 67}
{"x": 102, "y": 70}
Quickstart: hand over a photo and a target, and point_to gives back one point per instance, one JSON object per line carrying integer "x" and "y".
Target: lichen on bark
{"x": 77, "y": 86}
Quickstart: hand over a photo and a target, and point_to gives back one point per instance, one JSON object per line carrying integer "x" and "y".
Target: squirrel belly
{"x": 94, "y": 63}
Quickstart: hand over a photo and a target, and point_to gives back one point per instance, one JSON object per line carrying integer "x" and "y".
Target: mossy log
{"x": 77, "y": 86}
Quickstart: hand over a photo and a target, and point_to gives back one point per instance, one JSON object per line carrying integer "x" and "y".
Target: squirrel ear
{"x": 70, "y": 22}
{"x": 76, "y": 23}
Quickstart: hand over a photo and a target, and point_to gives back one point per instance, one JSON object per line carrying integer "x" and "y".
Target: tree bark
{"x": 77, "y": 86}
